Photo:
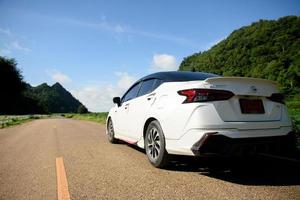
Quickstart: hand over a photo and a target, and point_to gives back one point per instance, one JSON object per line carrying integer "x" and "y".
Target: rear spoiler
{"x": 240, "y": 79}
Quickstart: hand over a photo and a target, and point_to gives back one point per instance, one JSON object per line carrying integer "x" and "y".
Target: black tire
{"x": 155, "y": 145}
{"x": 110, "y": 132}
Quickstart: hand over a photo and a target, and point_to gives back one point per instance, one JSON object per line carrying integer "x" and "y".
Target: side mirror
{"x": 117, "y": 100}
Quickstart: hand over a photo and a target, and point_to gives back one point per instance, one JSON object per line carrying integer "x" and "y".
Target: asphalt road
{"x": 96, "y": 169}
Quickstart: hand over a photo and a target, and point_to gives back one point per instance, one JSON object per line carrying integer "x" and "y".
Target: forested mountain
{"x": 53, "y": 99}
{"x": 267, "y": 49}
{"x": 18, "y": 97}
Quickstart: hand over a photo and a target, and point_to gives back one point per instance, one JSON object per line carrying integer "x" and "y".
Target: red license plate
{"x": 252, "y": 106}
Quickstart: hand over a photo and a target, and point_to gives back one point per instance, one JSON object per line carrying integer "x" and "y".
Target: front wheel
{"x": 155, "y": 145}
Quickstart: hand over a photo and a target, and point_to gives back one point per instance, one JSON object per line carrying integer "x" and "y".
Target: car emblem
{"x": 253, "y": 88}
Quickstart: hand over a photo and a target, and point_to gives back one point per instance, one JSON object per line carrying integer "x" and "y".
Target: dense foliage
{"x": 18, "y": 97}
{"x": 267, "y": 49}
{"x": 12, "y": 100}
{"x": 96, "y": 117}
{"x": 9, "y": 73}
{"x": 82, "y": 109}
{"x": 54, "y": 99}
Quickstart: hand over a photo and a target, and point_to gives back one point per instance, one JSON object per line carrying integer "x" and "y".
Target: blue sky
{"x": 96, "y": 49}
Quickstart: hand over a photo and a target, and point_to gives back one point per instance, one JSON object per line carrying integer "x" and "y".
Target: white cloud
{"x": 164, "y": 62}
{"x": 5, "y": 31}
{"x": 57, "y": 76}
{"x": 15, "y": 45}
{"x": 5, "y": 52}
{"x": 118, "y": 28}
{"x": 165, "y": 37}
{"x": 11, "y": 44}
{"x": 99, "y": 98}
{"x": 125, "y": 80}
{"x": 96, "y": 98}
{"x": 102, "y": 24}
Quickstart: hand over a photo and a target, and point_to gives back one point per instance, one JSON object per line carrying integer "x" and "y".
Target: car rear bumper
{"x": 220, "y": 145}
{"x": 224, "y": 142}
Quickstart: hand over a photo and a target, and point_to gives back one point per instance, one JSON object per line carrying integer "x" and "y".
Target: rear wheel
{"x": 110, "y": 132}
{"x": 155, "y": 145}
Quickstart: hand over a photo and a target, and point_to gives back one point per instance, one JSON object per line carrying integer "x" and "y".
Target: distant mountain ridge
{"x": 267, "y": 49}
{"x": 53, "y": 99}
{"x": 19, "y": 97}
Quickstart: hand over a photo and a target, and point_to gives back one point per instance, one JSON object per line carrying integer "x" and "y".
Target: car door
{"x": 140, "y": 106}
{"x": 122, "y": 121}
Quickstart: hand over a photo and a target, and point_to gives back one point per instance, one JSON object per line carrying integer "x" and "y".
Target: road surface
{"x": 96, "y": 169}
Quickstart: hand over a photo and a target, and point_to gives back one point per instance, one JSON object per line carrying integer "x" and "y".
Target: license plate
{"x": 252, "y": 106}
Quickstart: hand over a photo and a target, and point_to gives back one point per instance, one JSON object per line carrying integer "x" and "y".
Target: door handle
{"x": 150, "y": 96}
{"x": 126, "y": 105}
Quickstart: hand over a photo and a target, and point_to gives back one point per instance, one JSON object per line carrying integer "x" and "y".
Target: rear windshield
{"x": 189, "y": 76}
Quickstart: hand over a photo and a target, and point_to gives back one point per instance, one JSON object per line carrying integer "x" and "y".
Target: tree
{"x": 82, "y": 109}
{"x": 266, "y": 49}
{"x": 18, "y": 97}
{"x": 11, "y": 86}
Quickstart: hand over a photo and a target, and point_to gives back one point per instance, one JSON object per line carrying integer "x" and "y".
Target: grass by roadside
{"x": 294, "y": 112}
{"x": 292, "y": 104}
{"x": 12, "y": 120}
{"x": 96, "y": 117}
{"x": 6, "y": 121}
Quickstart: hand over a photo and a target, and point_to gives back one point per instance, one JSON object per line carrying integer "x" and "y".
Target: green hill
{"x": 267, "y": 49}
{"x": 18, "y": 97}
{"x": 53, "y": 99}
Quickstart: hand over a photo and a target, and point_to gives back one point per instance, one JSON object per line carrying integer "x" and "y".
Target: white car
{"x": 200, "y": 114}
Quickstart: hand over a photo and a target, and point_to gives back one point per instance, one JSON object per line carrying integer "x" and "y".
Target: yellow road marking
{"x": 62, "y": 183}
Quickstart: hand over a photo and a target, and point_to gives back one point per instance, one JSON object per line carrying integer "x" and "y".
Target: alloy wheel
{"x": 153, "y": 144}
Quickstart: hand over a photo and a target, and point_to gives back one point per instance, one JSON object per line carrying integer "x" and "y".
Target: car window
{"x": 157, "y": 83}
{"x": 147, "y": 87}
{"x": 131, "y": 93}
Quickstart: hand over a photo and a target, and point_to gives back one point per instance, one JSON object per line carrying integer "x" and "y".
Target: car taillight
{"x": 204, "y": 95}
{"x": 277, "y": 97}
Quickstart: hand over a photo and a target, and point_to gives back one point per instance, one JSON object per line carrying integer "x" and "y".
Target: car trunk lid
{"x": 249, "y": 103}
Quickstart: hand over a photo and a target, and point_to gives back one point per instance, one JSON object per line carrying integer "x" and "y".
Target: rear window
{"x": 146, "y": 87}
{"x": 156, "y": 84}
{"x": 189, "y": 76}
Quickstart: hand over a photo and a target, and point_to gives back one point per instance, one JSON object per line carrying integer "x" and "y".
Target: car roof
{"x": 176, "y": 76}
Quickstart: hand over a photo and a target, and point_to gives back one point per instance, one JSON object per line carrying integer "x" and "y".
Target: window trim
{"x": 139, "y": 87}
{"x": 141, "y": 83}
{"x": 155, "y": 79}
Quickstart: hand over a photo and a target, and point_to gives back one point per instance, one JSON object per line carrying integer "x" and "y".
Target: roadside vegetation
{"x": 294, "y": 111}
{"x": 12, "y": 120}
{"x": 266, "y": 49}
{"x": 96, "y": 117}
